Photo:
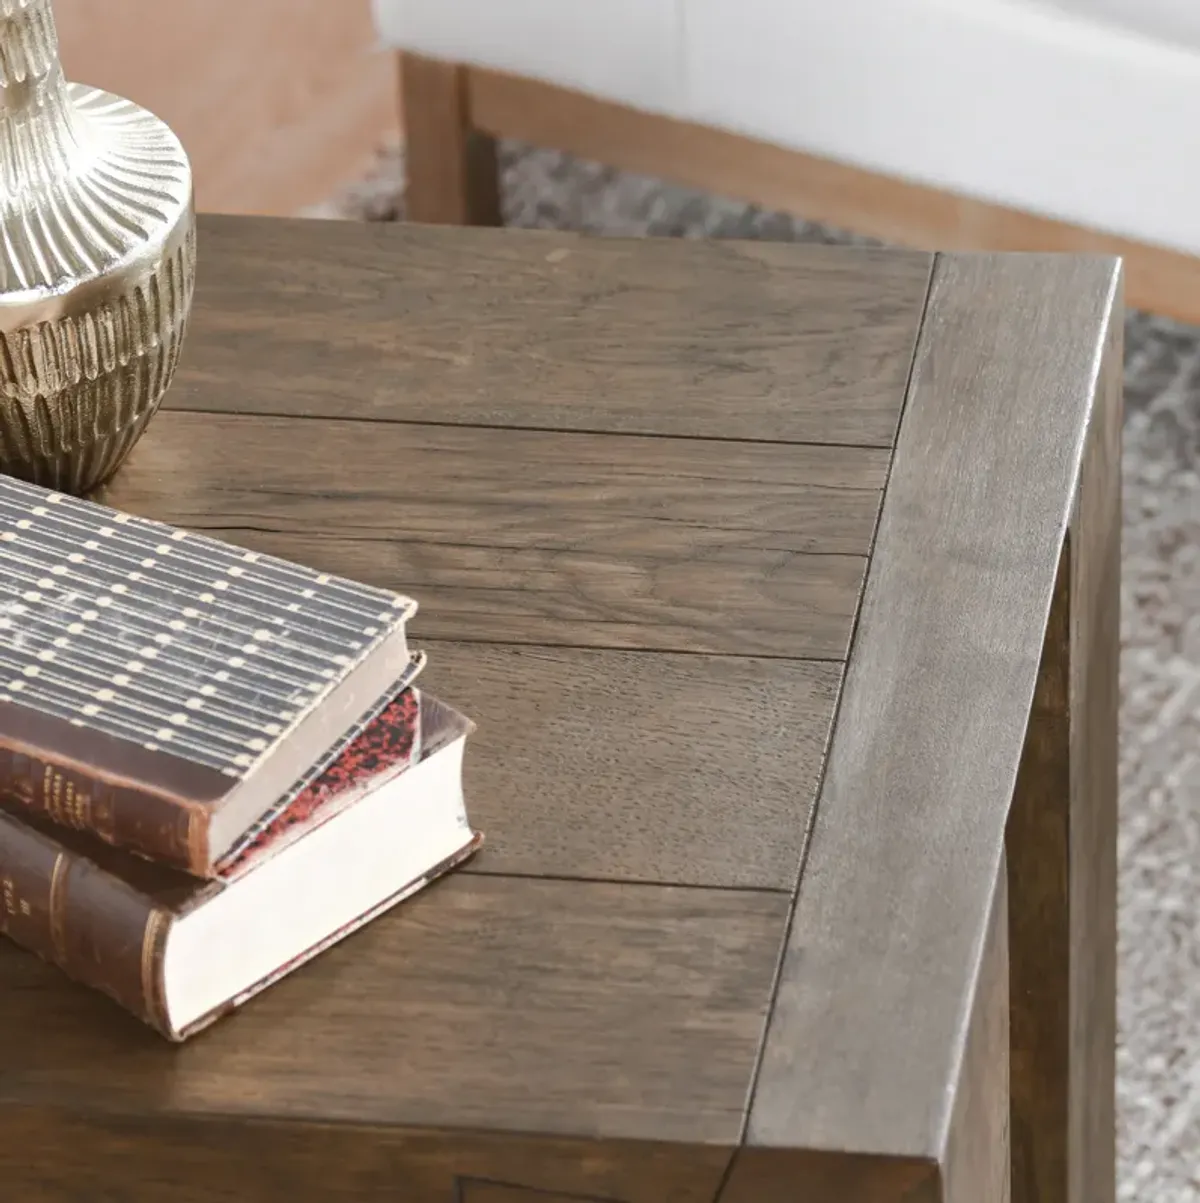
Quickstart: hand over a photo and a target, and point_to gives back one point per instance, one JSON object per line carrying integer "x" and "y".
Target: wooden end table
{"x": 783, "y": 584}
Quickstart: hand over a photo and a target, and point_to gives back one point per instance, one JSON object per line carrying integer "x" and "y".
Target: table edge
{"x": 868, "y": 947}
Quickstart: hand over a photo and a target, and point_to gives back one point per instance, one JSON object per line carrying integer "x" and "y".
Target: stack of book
{"x": 214, "y": 764}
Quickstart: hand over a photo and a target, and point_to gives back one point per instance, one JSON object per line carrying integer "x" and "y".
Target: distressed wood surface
{"x": 874, "y": 1000}
{"x": 635, "y": 486}
{"x": 494, "y": 1003}
{"x": 650, "y": 631}
{"x": 68, "y": 1155}
{"x": 974, "y": 1165}
{"x": 697, "y": 770}
{"x": 551, "y": 330}
{"x": 537, "y": 537}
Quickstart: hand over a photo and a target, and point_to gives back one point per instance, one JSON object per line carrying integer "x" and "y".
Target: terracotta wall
{"x": 277, "y": 101}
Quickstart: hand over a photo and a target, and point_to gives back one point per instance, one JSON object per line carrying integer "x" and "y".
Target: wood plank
{"x": 974, "y": 1167}
{"x": 1062, "y": 839}
{"x": 59, "y": 1156}
{"x": 876, "y": 987}
{"x": 617, "y": 765}
{"x": 897, "y": 211}
{"x": 537, "y": 537}
{"x": 551, "y": 330}
{"x": 512, "y": 1005}
{"x": 453, "y": 175}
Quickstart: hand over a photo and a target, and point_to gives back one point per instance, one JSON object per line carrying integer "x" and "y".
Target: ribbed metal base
{"x": 76, "y": 393}
{"x": 97, "y": 263}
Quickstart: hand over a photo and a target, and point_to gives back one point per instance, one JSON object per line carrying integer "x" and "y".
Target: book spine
{"x": 138, "y": 820}
{"x": 93, "y": 926}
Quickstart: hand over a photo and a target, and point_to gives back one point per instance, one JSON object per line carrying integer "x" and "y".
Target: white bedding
{"x": 1050, "y": 106}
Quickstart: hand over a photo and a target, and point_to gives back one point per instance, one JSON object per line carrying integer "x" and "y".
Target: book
{"x": 162, "y": 689}
{"x": 384, "y": 820}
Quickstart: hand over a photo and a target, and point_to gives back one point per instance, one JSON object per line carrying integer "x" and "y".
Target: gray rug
{"x": 1159, "y": 1069}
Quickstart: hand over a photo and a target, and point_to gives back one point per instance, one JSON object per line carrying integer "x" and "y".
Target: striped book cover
{"x": 166, "y": 690}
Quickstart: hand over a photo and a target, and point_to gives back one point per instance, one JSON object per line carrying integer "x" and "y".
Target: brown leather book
{"x": 162, "y": 689}
{"x": 385, "y": 819}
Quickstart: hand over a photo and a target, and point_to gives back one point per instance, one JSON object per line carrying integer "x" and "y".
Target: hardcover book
{"x": 162, "y": 689}
{"x": 386, "y": 818}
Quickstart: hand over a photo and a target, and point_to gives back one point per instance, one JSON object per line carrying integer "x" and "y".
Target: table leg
{"x": 1061, "y": 842}
{"x": 976, "y": 1162}
{"x": 451, "y": 167}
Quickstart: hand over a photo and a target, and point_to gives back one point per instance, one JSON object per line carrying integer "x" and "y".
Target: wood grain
{"x": 454, "y": 177}
{"x": 533, "y": 536}
{"x": 499, "y": 1004}
{"x": 48, "y": 1155}
{"x": 975, "y": 1164}
{"x": 551, "y": 330}
{"x": 976, "y": 1158}
{"x": 603, "y": 446}
{"x": 1062, "y": 852}
{"x": 677, "y": 769}
{"x": 896, "y": 211}
{"x": 876, "y": 987}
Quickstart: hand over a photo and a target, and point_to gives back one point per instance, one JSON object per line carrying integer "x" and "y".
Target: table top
{"x": 740, "y": 555}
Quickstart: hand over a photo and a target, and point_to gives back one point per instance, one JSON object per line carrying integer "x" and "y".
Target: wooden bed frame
{"x": 452, "y": 115}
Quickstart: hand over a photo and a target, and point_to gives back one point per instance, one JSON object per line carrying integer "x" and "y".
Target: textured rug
{"x": 1159, "y": 1065}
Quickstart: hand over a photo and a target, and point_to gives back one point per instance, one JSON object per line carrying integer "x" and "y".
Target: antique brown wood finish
{"x": 636, "y": 488}
{"x": 157, "y": 1157}
{"x": 995, "y": 455}
{"x": 533, "y": 1004}
{"x": 540, "y": 329}
{"x": 539, "y": 537}
{"x": 688, "y": 727}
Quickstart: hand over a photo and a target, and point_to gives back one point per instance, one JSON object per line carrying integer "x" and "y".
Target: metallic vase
{"x": 97, "y": 263}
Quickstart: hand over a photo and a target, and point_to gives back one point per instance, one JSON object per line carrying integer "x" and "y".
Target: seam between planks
{"x": 522, "y": 427}
{"x": 833, "y": 723}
